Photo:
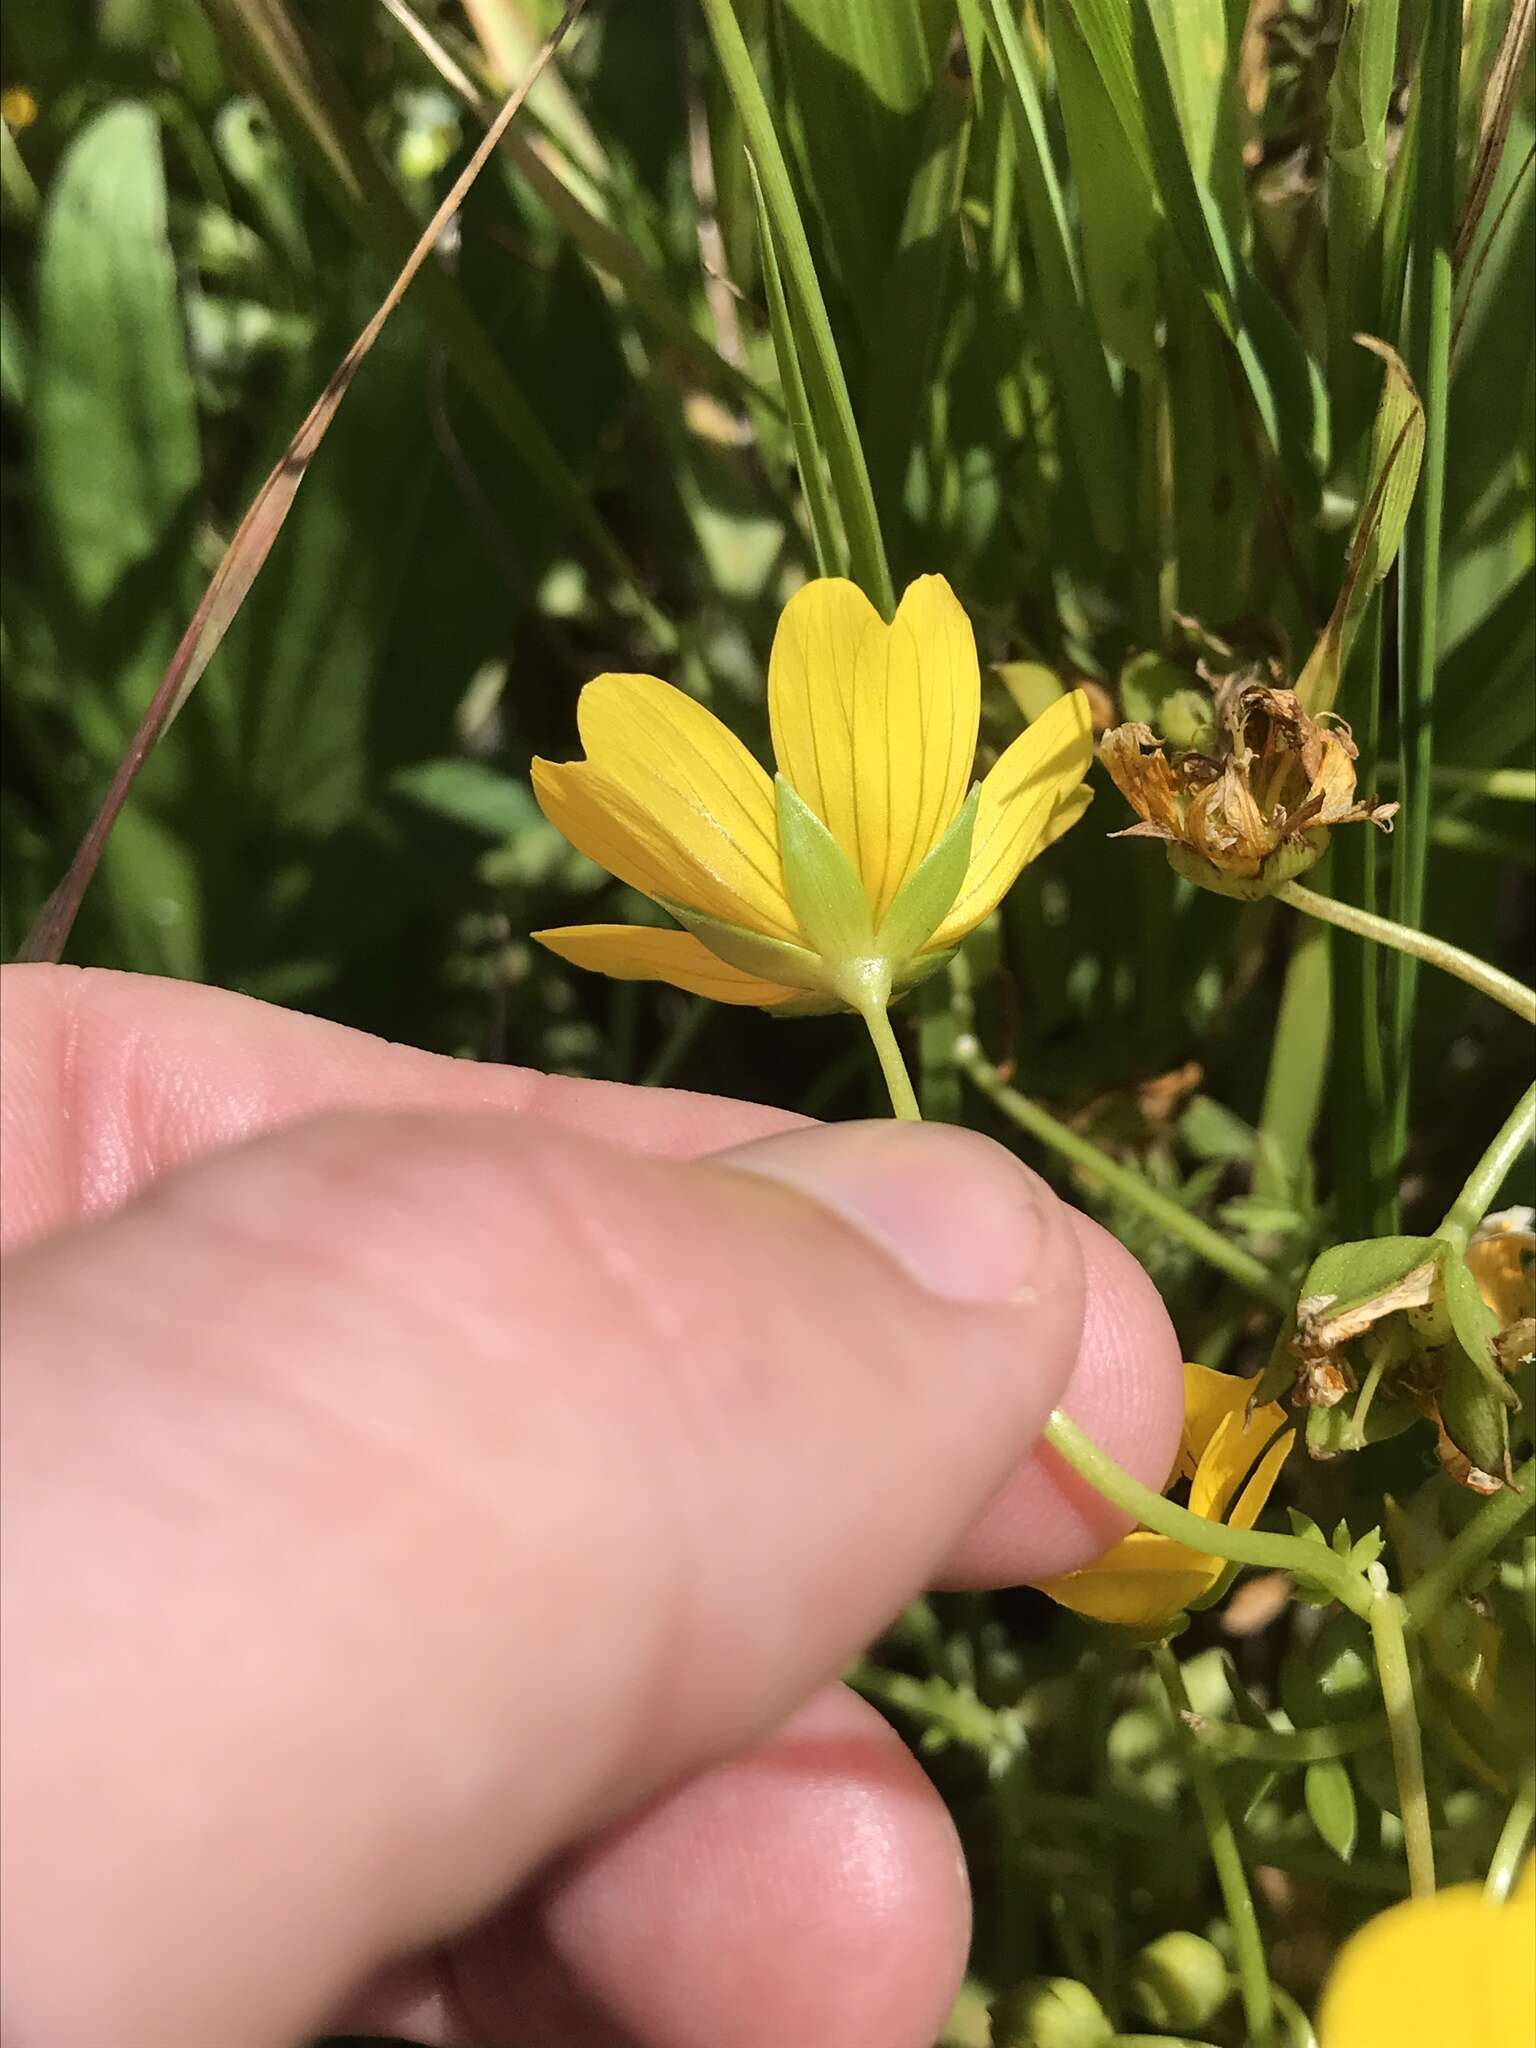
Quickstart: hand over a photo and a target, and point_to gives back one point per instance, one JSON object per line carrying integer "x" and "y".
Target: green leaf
{"x": 926, "y": 897}
{"x": 1158, "y": 692}
{"x": 1077, "y": 354}
{"x": 1330, "y": 1795}
{"x": 829, "y": 900}
{"x": 831, "y": 407}
{"x": 113, "y": 402}
{"x": 1351, "y": 1273}
{"x": 1397, "y": 447}
{"x": 826, "y": 532}
{"x": 1287, "y": 391}
{"x": 1359, "y": 99}
{"x": 471, "y": 794}
{"x": 860, "y": 81}
{"x": 913, "y": 301}
{"x": 1118, "y": 215}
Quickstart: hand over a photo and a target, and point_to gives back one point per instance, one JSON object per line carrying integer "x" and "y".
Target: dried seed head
{"x": 1257, "y": 811}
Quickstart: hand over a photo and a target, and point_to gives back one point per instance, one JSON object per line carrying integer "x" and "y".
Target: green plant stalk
{"x": 1488, "y": 1176}
{"x": 1358, "y": 1104}
{"x": 1122, "y": 1181}
{"x": 826, "y": 536}
{"x": 898, "y": 1081}
{"x": 1416, "y": 945}
{"x": 1427, "y": 347}
{"x": 1498, "y": 1516}
{"x": 1231, "y": 1875}
{"x": 1298, "y": 1068}
{"x": 1313, "y": 1562}
{"x": 1509, "y": 1850}
{"x": 1389, "y": 1640}
{"x": 845, "y": 455}
{"x": 1231, "y": 1742}
{"x": 1515, "y": 785}
{"x": 1359, "y": 101}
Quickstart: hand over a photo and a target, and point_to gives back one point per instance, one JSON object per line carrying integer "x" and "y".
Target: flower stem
{"x": 1386, "y": 1617}
{"x": 1466, "y": 1551}
{"x": 1232, "y": 1742}
{"x": 1488, "y": 1176}
{"x": 1127, "y": 1185}
{"x": 1513, "y": 1836}
{"x": 1488, "y": 981}
{"x": 1309, "y": 1561}
{"x": 897, "y": 1080}
{"x": 1252, "y": 1966}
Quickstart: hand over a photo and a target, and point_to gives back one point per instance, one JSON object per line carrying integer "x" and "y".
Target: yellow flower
{"x": 1453, "y": 1970}
{"x": 1145, "y": 1578}
{"x": 856, "y": 869}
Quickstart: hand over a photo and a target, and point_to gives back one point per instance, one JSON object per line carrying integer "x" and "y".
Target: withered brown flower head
{"x": 1255, "y": 812}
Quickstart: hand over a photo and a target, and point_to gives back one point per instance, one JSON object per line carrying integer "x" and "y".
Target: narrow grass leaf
{"x": 1077, "y": 352}
{"x": 1397, "y": 448}
{"x": 827, "y": 389}
{"x": 826, "y": 533}
{"x": 1359, "y": 99}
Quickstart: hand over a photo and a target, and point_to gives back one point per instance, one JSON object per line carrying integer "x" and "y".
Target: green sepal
{"x": 926, "y": 898}
{"x": 1332, "y": 1432}
{"x": 1282, "y": 866}
{"x": 829, "y": 900}
{"x": 769, "y": 959}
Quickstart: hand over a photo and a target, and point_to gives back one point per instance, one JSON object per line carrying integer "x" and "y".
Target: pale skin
{"x": 439, "y": 1500}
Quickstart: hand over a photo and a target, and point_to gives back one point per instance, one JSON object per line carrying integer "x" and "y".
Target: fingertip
{"x": 810, "y": 1891}
{"x": 1126, "y": 1392}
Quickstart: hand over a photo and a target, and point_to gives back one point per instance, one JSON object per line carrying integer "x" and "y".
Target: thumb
{"x": 396, "y": 1498}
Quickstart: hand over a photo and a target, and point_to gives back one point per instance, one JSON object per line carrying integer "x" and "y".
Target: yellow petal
{"x": 1451, "y": 1970}
{"x": 875, "y": 725}
{"x": 603, "y": 821}
{"x": 1229, "y": 1456}
{"x": 1251, "y": 1504}
{"x": 1033, "y": 786}
{"x": 1209, "y": 1398}
{"x": 1143, "y": 1580}
{"x": 689, "y": 773}
{"x": 637, "y": 952}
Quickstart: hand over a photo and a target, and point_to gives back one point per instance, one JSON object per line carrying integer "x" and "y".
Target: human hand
{"x": 438, "y": 1500}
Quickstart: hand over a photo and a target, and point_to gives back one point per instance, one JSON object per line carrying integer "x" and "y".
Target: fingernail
{"x": 966, "y": 1220}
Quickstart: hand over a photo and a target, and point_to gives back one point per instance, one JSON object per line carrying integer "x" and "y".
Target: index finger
{"x": 107, "y": 1079}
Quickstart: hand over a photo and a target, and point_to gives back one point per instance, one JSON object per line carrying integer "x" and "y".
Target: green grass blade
{"x": 914, "y": 297}
{"x": 1427, "y": 352}
{"x": 1127, "y": 46}
{"x": 1359, "y": 97}
{"x": 1077, "y": 353}
{"x": 826, "y": 534}
{"x": 830, "y": 405}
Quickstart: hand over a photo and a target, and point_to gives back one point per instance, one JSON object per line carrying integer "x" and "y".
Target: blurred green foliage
{"x": 1090, "y": 268}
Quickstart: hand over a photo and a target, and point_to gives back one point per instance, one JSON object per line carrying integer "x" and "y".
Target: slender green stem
{"x": 1386, "y": 1617}
{"x": 1494, "y": 1520}
{"x": 1491, "y": 1171}
{"x": 1427, "y": 352}
{"x": 1231, "y": 1742}
{"x": 1517, "y": 785}
{"x": 1122, "y": 1181}
{"x": 897, "y": 1080}
{"x": 1510, "y": 1848}
{"x": 1309, "y": 1561}
{"x": 1488, "y": 981}
{"x": 1252, "y": 1965}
